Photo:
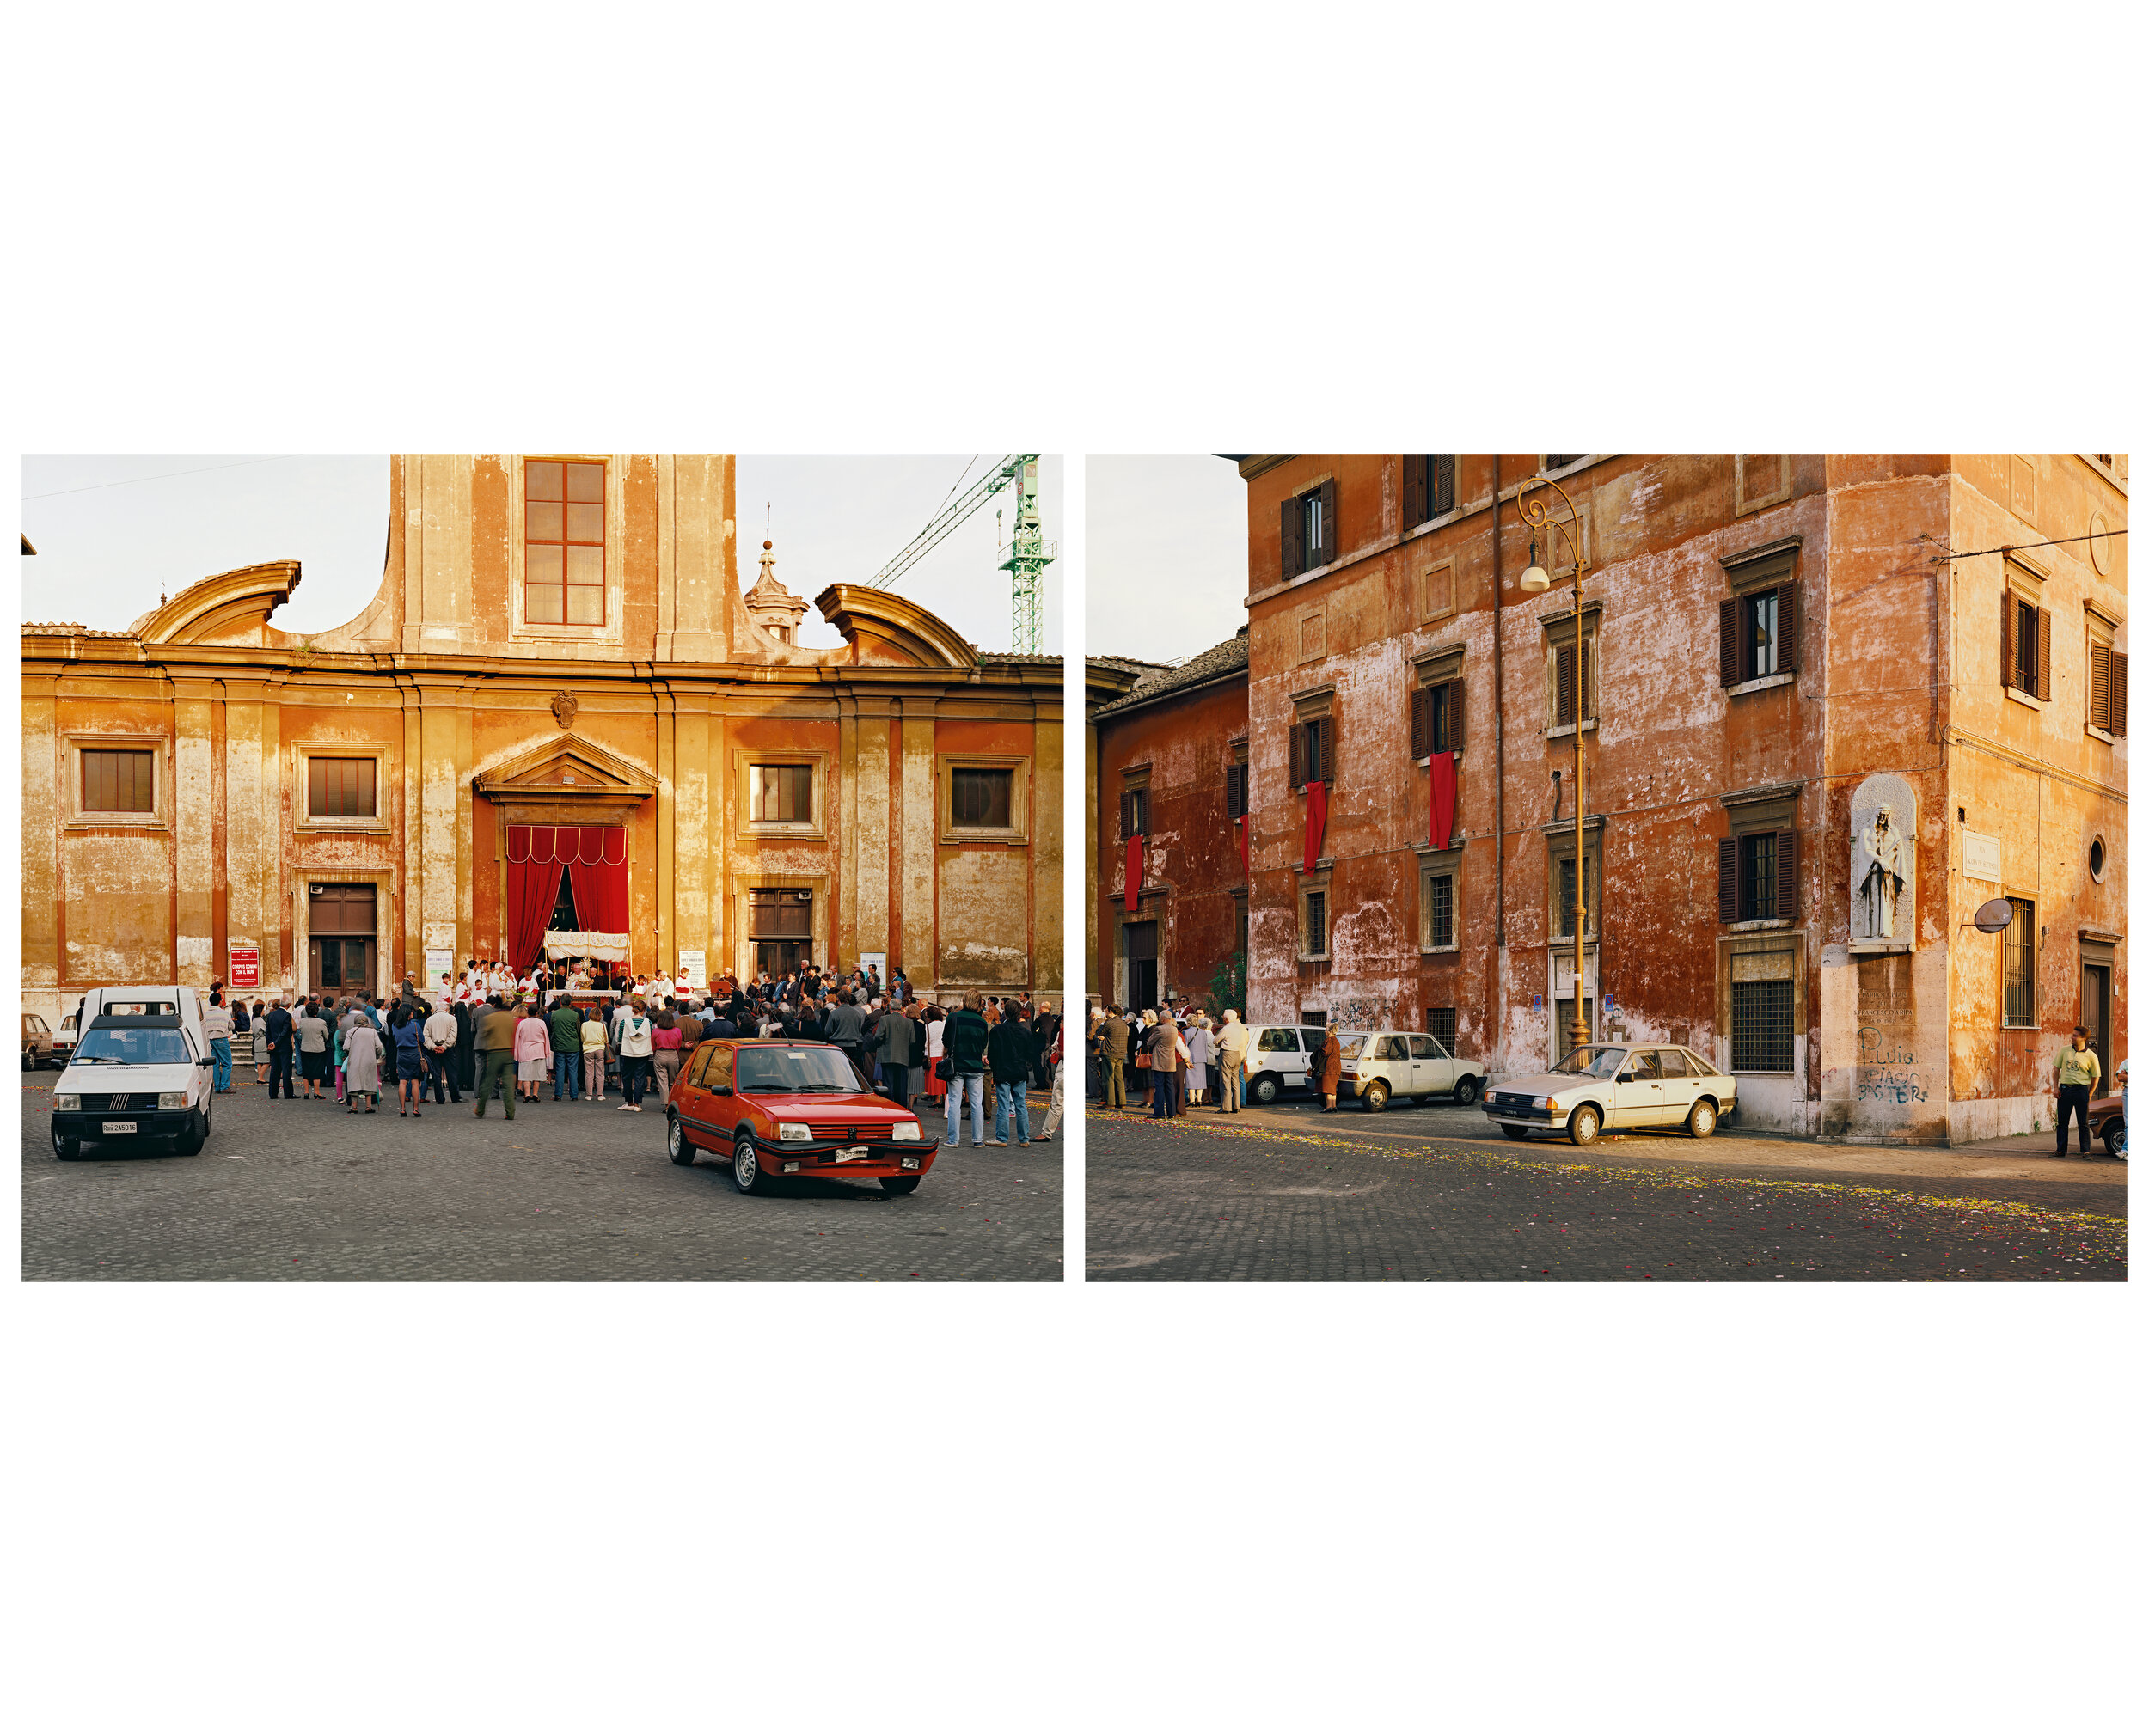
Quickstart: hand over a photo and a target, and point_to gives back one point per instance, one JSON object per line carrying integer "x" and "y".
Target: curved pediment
{"x": 225, "y": 608}
{"x": 882, "y": 627}
{"x": 567, "y": 768}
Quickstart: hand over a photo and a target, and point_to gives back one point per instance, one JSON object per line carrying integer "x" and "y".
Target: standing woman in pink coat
{"x": 533, "y": 1053}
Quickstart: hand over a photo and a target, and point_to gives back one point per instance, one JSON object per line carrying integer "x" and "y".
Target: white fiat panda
{"x": 141, "y": 1071}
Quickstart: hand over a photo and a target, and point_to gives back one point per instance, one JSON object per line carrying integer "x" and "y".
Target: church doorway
{"x": 779, "y": 928}
{"x": 341, "y": 938}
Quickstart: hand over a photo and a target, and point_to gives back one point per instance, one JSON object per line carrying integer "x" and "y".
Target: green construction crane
{"x": 1026, "y": 557}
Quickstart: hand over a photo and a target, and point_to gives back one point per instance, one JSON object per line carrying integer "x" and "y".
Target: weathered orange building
{"x": 559, "y": 715}
{"x": 1167, "y": 763}
{"x": 1771, "y": 651}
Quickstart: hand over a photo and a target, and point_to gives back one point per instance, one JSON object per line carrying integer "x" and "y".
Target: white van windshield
{"x": 144, "y": 1046}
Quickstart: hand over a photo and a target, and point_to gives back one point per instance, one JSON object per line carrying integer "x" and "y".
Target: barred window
{"x": 1760, "y": 1027}
{"x": 1757, "y": 876}
{"x": 119, "y": 781}
{"x": 983, "y": 796}
{"x": 2018, "y": 997}
{"x": 1440, "y": 1023}
{"x": 783, "y": 794}
{"x": 1440, "y": 910}
{"x": 1316, "y": 923}
{"x": 340, "y": 789}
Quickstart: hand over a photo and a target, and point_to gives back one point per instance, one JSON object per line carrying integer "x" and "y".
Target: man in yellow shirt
{"x": 2078, "y": 1071}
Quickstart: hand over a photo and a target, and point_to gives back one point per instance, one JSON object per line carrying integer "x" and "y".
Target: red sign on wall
{"x": 245, "y": 966}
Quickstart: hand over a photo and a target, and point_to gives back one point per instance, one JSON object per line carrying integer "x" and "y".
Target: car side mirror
{"x": 1626, "y": 1079}
{"x": 720, "y": 1091}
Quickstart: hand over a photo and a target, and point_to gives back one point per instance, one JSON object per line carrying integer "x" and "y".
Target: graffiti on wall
{"x": 1888, "y": 1084}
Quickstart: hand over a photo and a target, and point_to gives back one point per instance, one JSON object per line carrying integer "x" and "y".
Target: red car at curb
{"x": 772, "y": 1109}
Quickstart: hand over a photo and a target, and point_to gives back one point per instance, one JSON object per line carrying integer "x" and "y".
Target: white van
{"x": 1277, "y": 1057}
{"x": 140, "y": 1070}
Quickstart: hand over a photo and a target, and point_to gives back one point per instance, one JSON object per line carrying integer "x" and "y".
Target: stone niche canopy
{"x": 1883, "y": 858}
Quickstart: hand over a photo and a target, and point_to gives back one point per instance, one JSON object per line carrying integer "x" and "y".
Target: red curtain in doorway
{"x": 594, "y": 858}
{"x": 598, "y": 871}
{"x": 1133, "y": 874}
{"x": 532, "y": 888}
{"x": 1444, "y": 801}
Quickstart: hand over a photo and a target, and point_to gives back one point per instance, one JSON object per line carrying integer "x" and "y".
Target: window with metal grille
{"x": 983, "y": 797}
{"x": 1439, "y": 1024}
{"x": 340, "y": 789}
{"x": 1562, "y": 915}
{"x": 1760, "y": 1027}
{"x": 1316, "y": 939}
{"x": 119, "y": 781}
{"x": 783, "y": 794}
{"x": 1440, "y": 910}
{"x": 2018, "y": 991}
{"x": 563, "y": 544}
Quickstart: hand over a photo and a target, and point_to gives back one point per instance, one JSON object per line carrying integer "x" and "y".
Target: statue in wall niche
{"x": 1885, "y": 860}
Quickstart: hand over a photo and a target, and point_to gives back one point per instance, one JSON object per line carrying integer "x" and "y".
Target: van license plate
{"x": 851, "y": 1154}
{"x": 118, "y": 1126}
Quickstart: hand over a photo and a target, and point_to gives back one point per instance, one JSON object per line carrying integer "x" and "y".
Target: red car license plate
{"x": 118, "y": 1126}
{"x": 851, "y": 1154}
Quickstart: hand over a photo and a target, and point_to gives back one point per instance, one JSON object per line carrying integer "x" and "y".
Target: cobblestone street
{"x": 1291, "y": 1193}
{"x": 301, "y": 1189}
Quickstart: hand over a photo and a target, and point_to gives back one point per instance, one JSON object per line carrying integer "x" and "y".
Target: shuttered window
{"x": 2025, "y": 644}
{"x": 1312, "y": 752}
{"x": 1757, "y": 635}
{"x": 2108, "y": 688}
{"x": 1428, "y": 488}
{"x": 1564, "y": 683}
{"x": 563, "y": 544}
{"x": 1436, "y": 719}
{"x": 1757, "y": 876}
{"x": 1134, "y": 814}
{"x": 119, "y": 781}
{"x": 340, "y": 789}
{"x": 783, "y": 795}
{"x": 1309, "y": 529}
{"x": 983, "y": 796}
{"x": 1235, "y": 791}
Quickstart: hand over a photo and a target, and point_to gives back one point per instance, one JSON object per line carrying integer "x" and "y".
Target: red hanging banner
{"x": 1444, "y": 801}
{"x": 1245, "y": 845}
{"x": 1134, "y": 873}
{"x": 1316, "y": 821}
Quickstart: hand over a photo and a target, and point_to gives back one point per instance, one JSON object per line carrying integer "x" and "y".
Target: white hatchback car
{"x": 1278, "y": 1059}
{"x": 1379, "y": 1064}
{"x": 1615, "y": 1087}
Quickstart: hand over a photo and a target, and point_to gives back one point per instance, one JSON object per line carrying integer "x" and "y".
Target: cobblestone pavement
{"x": 1301, "y": 1196}
{"x": 565, "y": 1191}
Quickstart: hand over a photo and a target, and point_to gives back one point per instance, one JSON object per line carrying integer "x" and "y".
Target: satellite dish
{"x": 1994, "y": 914}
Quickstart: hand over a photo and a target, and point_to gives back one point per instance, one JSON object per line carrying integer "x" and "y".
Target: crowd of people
{"x": 488, "y": 1031}
{"x": 1172, "y": 1060}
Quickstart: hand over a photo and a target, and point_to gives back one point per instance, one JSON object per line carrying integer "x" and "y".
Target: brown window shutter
{"x": 1421, "y": 723}
{"x": 1455, "y": 717}
{"x": 1413, "y": 491}
{"x": 1727, "y": 880}
{"x": 1294, "y": 537}
{"x": 2044, "y": 654}
{"x": 1443, "y": 491}
{"x": 1331, "y": 544}
{"x": 1320, "y": 750}
{"x": 1126, "y": 815}
{"x": 2119, "y": 693}
{"x": 1786, "y": 626}
{"x": 1585, "y": 657}
{"x": 2101, "y": 686}
{"x": 1728, "y": 641}
{"x": 1298, "y": 756}
{"x": 1564, "y": 685}
{"x": 2007, "y": 637}
{"x": 1787, "y": 874}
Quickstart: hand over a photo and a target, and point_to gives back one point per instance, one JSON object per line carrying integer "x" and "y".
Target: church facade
{"x": 559, "y": 725}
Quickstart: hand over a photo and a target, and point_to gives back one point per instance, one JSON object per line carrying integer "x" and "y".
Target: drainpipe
{"x": 1499, "y": 784}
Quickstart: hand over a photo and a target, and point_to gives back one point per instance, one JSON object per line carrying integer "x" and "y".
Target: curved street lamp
{"x": 1537, "y": 514}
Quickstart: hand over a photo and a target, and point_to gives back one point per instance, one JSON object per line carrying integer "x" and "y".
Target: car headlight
{"x": 67, "y": 1100}
{"x": 1550, "y": 1103}
{"x": 794, "y": 1132}
{"x": 171, "y": 1100}
{"x": 906, "y": 1130}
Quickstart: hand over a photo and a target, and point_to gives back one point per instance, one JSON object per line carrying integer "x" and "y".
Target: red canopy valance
{"x": 594, "y": 858}
{"x": 593, "y": 847}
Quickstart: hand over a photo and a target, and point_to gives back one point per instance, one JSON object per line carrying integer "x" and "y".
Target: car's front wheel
{"x": 1701, "y": 1119}
{"x": 1514, "y": 1132}
{"x": 900, "y": 1185}
{"x": 676, "y": 1140}
{"x": 1374, "y": 1095}
{"x": 747, "y": 1174}
{"x": 65, "y": 1149}
{"x": 1466, "y": 1092}
{"x": 1266, "y": 1089}
{"x": 190, "y": 1143}
{"x": 1582, "y": 1124}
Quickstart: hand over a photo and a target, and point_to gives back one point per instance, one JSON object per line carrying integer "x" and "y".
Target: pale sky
{"x": 111, "y": 532}
{"x": 1166, "y": 555}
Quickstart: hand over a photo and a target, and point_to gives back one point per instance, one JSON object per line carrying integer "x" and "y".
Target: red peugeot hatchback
{"x": 792, "y": 1108}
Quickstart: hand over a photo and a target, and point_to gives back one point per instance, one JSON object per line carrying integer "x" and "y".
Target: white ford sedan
{"x": 1601, "y": 1087}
